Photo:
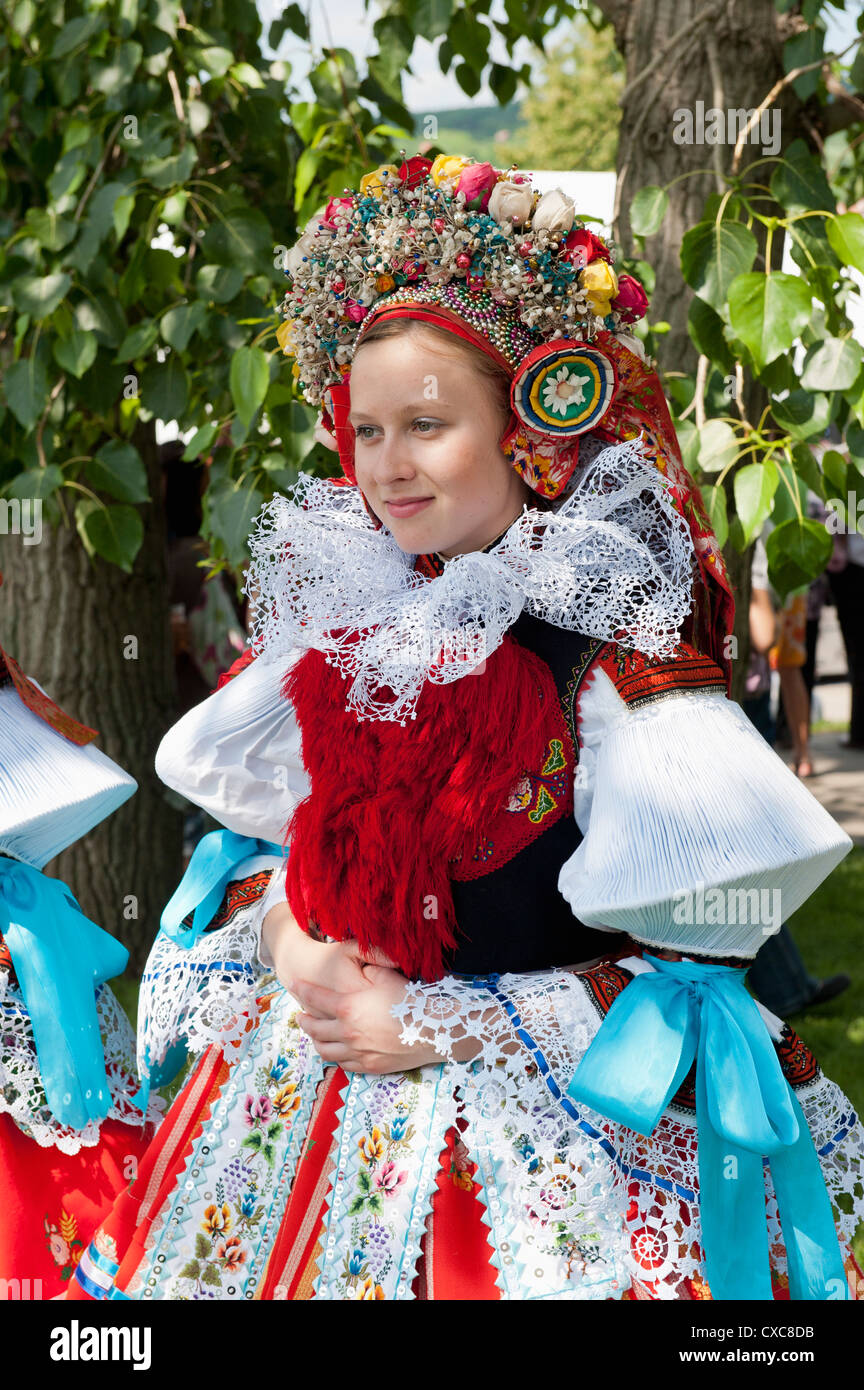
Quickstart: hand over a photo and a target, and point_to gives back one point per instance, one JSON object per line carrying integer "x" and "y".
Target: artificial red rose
{"x": 334, "y": 203}
{"x": 476, "y": 182}
{"x": 631, "y": 301}
{"x": 581, "y": 247}
{"x": 415, "y": 170}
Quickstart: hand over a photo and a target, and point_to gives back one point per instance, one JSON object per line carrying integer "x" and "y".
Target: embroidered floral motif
{"x": 63, "y": 1242}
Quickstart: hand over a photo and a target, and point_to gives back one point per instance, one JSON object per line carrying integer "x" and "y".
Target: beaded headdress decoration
{"x": 479, "y": 251}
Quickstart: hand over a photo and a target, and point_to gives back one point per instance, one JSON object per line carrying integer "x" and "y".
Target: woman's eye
{"x": 426, "y": 426}
{"x": 360, "y": 431}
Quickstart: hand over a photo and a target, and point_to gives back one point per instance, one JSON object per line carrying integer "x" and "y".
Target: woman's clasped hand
{"x": 346, "y": 998}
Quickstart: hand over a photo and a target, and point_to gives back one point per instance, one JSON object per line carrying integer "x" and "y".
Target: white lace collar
{"x": 612, "y": 560}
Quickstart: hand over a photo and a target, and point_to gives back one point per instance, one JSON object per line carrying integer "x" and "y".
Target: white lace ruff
{"x": 197, "y": 994}
{"x": 552, "y": 1160}
{"x": 21, "y": 1092}
{"x": 612, "y": 560}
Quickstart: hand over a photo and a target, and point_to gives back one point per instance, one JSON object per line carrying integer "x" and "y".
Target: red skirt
{"x": 50, "y": 1203}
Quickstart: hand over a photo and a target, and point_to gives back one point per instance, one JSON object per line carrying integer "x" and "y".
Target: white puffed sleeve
{"x": 697, "y": 837}
{"x": 238, "y": 754}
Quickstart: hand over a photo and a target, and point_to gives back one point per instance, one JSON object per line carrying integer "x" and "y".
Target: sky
{"x": 348, "y": 24}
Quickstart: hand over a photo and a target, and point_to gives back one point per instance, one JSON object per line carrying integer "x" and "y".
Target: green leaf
{"x": 138, "y": 341}
{"x": 76, "y": 33}
{"x": 114, "y": 532}
{"x": 26, "y": 384}
{"x": 799, "y": 183}
{"x": 798, "y": 552}
{"x": 50, "y": 230}
{"x": 39, "y": 295}
{"x": 648, "y": 209}
{"x": 219, "y": 283}
{"x": 202, "y": 1246}
{"x": 305, "y": 171}
{"x": 800, "y": 51}
{"x": 768, "y": 312}
{"x": 855, "y": 445}
{"x": 808, "y": 469}
{"x": 249, "y": 378}
{"x": 117, "y": 469}
{"x": 210, "y": 1275}
{"x": 191, "y": 1270}
{"x": 240, "y": 237}
{"x": 802, "y": 414}
{"x": 846, "y": 235}
{"x": 76, "y": 353}
{"x": 364, "y": 1182}
{"x": 231, "y": 511}
{"x": 715, "y": 502}
{"x": 121, "y": 213}
{"x": 175, "y": 168}
{"x": 178, "y": 325}
{"x": 215, "y": 60}
{"x": 165, "y": 389}
{"x": 712, "y": 255}
{"x": 201, "y": 441}
{"x": 706, "y": 331}
{"x": 246, "y": 75}
{"x": 754, "y": 486}
{"x": 432, "y": 17}
{"x": 834, "y": 468}
{"x": 718, "y": 446}
{"x": 36, "y": 482}
{"x": 832, "y": 365}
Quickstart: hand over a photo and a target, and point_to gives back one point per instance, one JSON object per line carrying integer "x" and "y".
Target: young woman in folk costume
{"x": 71, "y": 1126}
{"x": 504, "y": 1051}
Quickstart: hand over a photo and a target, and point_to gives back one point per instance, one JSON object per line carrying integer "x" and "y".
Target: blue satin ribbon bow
{"x": 60, "y": 957}
{"x": 745, "y": 1110}
{"x": 202, "y": 887}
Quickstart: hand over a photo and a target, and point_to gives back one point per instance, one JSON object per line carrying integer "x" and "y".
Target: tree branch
{"x": 775, "y": 92}
{"x": 710, "y": 12}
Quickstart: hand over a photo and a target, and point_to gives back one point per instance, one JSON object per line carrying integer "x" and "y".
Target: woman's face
{"x": 426, "y": 450}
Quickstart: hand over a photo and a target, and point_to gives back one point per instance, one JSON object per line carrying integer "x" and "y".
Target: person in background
{"x": 778, "y": 977}
{"x": 847, "y": 590}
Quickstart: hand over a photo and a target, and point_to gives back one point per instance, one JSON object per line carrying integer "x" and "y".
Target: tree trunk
{"x": 99, "y": 641}
{"x": 730, "y": 59}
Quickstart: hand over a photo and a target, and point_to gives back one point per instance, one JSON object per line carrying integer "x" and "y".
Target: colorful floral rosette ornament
{"x": 479, "y": 251}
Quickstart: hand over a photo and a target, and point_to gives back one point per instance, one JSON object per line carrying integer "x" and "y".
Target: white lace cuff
{"x": 697, "y": 836}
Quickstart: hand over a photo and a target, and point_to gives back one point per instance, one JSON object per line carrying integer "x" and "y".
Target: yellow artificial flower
{"x": 384, "y": 282}
{"x": 284, "y": 337}
{"x": 600, "y": 284}
{"x": 446, "y": 168}
{"x": 373, "y": 182}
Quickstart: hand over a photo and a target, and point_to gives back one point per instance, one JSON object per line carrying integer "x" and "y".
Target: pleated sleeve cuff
{"x": 697, "y": 837}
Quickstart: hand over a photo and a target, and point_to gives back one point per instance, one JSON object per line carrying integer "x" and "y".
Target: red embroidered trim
{"x": 45, "y": 709}
{"x": 240, "y": 893}
{"x": 639, "y": 678}
{"x": 235, "y": 668}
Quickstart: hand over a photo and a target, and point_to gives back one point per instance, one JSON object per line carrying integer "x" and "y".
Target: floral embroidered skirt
{"x": 275, "y": 1176}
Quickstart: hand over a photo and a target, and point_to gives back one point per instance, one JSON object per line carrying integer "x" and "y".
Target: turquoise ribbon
{"x": 60, "y": 957}
{"x": 200, "y": 891}
{"x": 202, "y": 887}
{"x": 745, "y": 1111}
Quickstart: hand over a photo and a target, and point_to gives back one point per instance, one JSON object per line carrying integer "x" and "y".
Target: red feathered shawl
{"x": 389, "y": 806}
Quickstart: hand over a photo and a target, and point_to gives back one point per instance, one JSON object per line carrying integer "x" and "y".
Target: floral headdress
{"x": 479, "y": 251}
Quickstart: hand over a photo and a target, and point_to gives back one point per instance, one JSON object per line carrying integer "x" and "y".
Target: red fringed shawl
{"x": 389, "y": 806}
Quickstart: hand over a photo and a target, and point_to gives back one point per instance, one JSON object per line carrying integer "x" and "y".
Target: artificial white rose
{"x": 555, "y": 211}
{"x": 510, "y": 202}
{"x": 302, "y": 247}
